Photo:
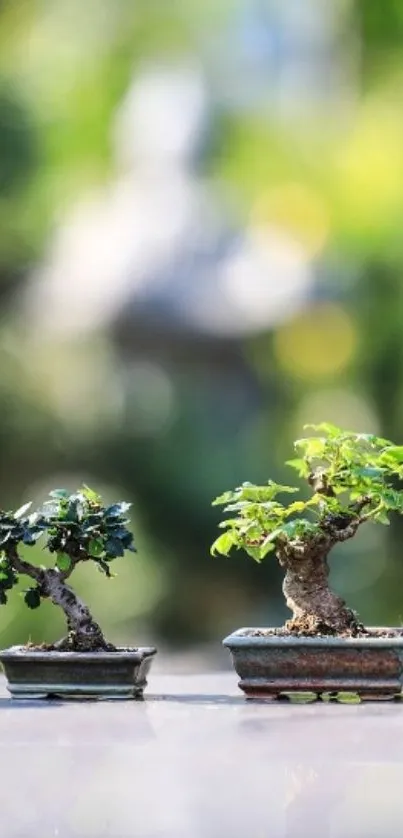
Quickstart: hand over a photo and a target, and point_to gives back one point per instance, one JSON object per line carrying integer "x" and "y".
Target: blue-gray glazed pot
{"x": 269, "y": 664}
{"x": 36, "y": 673}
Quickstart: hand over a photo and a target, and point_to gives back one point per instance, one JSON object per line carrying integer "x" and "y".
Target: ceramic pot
{"x": 33, "y": 673}
{"x": 269, "y": 665}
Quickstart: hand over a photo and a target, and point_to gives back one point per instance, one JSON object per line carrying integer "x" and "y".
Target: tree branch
{"x": 347, "y": 532}
{"x": 74, "y": 561}
{"x": 21, "y": 566}
{"x": 357, "y": 507}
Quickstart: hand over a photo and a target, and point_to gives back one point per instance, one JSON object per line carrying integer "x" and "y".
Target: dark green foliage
{"x": 78, "y": 528}
{"x": 8, "y": 578}
{"x": 18, "y": 153}
{"x": 350, "y": 474}
{"x": 32, "y": 598}
{"x": 16, "y": 527}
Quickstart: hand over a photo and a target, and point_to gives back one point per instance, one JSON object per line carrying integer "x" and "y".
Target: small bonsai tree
{"x": 78, "y": 528}
{"x": 353, "y": 479}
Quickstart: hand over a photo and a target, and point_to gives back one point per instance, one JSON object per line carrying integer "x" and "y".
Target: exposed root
{"x": 307, "y": 625}
{"x": 75, "y": 642}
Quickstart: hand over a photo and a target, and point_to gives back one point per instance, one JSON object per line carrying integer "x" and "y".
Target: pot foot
{"x": 28, "y": 696}
{"x": 374, "y": 696}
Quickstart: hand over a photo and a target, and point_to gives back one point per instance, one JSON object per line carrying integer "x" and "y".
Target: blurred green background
{"x": 200, "y": 250}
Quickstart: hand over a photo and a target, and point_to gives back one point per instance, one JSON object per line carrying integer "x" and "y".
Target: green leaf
{"x": 254, "y": 552}
{"x": 313, "y": 447}
{"x": 382, "y": 518}
{"x": 114, "y": 548}
{"x": 116, "y": 510}
{"x": 391, "y": 498}
{"x": 300, "y": 465}
{"x": 296, "y": 506}
{"x": 368, "y": 472}
{"x": 260, "y": 494}
{"x": 224, "y": 542}
{"x": 32, "y": 598}
{"x": 231, "y": 522}
{"x": 96, "y": 547}
{"x": 268, "y": 546}
{"x": 90, "y": 494}
{"x": 63, "y": 562}
{"x": 374, "y": 441}
{"x": 290, "y": 529}
{"x": 326, "y": 428}
{"x": 7, "y": 578}
{"x": 240, "y": 506}
{"x": 22, "y": 510}
{"x": 28, "y": 536}
{"x": 394, "y": 452}
{"x": 74, "y": 511}
{"x": 226, "y": 497}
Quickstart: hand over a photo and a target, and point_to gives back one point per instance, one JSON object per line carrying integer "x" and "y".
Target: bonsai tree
{"x": 352, "y": 479}
{"x": 77, "y": 528}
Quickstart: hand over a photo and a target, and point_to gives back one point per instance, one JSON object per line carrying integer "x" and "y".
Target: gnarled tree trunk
{"x": 84, "y": 634}
{"x": 315, "y": 608}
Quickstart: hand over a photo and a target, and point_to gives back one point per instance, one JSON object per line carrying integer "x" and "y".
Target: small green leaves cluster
{"x": 18, "y": 528}
{"x": 80, "y": 528}
{"x": 77, "y": 527}
{"x": 258, "y": 519}
{"x": 349, "y": 474}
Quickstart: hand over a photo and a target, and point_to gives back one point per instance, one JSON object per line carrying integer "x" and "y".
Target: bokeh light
{"x": 200, "y": 252}
{"x": 299, "y": 210}
{"x": 317, "y": 344}
{"x": 342, "y": 406}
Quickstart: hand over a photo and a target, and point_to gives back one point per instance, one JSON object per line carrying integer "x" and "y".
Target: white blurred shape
{"x": 264, "y": 280}
{"x": 161, "y": 116}
{"x": 268, "y": 278}
{"x": 108, "y": 250}
{"x": 159, "y": 235}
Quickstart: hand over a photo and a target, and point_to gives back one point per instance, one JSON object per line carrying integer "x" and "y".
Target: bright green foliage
{"x": 350, "y": 475}
{"x": 78, "y": 528}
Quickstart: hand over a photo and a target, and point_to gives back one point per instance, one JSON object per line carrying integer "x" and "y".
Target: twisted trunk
{"x": 84, "y": 634}
{"x": 315, "y": 608}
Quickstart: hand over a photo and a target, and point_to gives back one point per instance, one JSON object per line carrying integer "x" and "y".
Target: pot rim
{"x": 240, "y": 638}
{"x": 122, "y": 654}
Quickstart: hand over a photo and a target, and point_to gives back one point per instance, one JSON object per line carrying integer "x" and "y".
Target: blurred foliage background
{"x": 200, "y": 250}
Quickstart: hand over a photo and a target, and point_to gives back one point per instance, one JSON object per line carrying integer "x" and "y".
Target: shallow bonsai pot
{"x": 269, "y": 665}
{"x": 34, "y": 673}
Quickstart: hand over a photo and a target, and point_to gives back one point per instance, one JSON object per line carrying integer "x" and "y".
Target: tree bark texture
{"x": 84, "y": 634}
{"x": 315, "y": 608}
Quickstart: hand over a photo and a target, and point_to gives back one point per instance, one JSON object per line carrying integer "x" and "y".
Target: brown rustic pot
{"x": 271, "y": 665}
{"x": 33, "y": 673}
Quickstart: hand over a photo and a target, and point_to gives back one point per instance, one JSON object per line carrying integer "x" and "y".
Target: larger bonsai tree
{"x": 353, "y": 479}
{"x": 77, "y": 528}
